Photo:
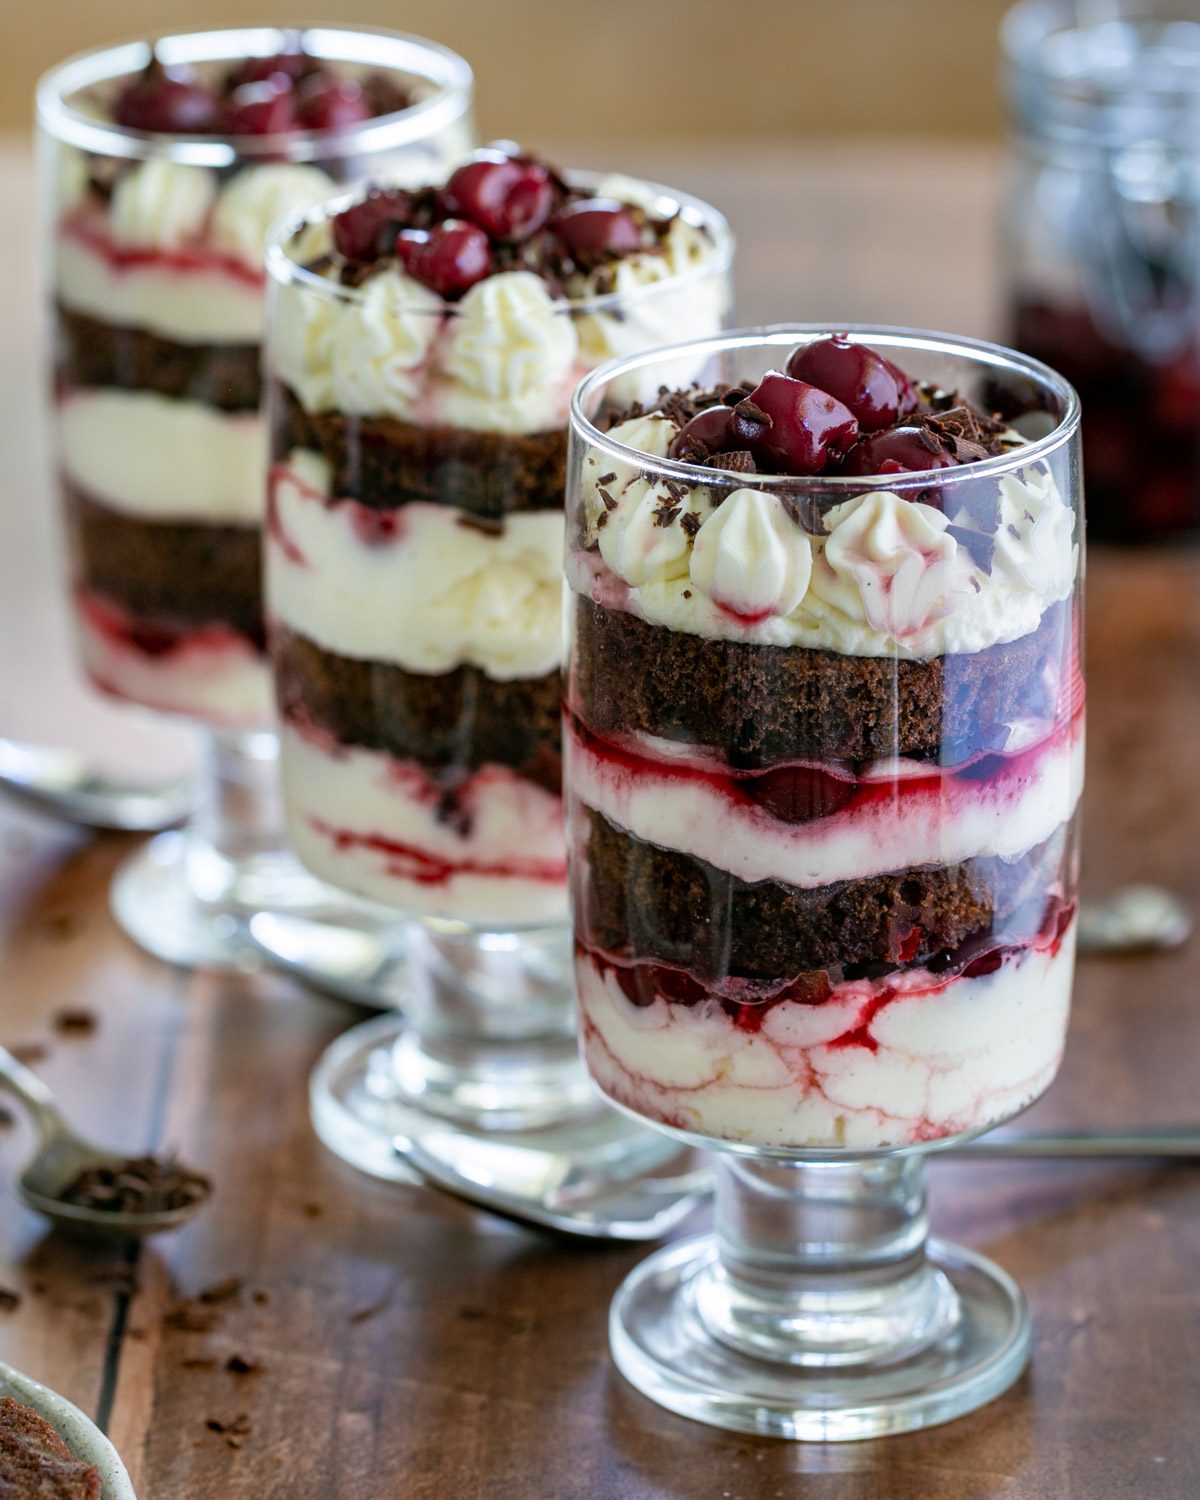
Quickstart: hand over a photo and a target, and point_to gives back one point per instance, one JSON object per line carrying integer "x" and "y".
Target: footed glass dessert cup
{"x": 422, "y": 351}
{"x": 163, "y": 163}
{"x": 823, "y": 757}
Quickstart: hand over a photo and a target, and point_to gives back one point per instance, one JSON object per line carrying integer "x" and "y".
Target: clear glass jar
{"x": 154, "y": 245}
{"x": 1102, "y": 242}
{"x": 824, "y": 752}
{"x": 414, "y": 589}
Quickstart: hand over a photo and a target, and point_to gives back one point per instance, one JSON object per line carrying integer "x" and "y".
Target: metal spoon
{"x": 62, "y": 782}
{"x": 1133, "y": 919}
{"x": 61, "y": 1156}
{"x": 552, "y": 1192}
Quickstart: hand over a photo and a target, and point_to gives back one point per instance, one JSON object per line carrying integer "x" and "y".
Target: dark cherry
{"x": 331, "y": 104}
{"x": 712, "y": 430}
{"x": 266, "y": 108}
{"x": 294, "y": 65}
{"x": 808, "y": 428}
{"x": 799, "y": 794}
{"x": 166, "y": 100}
{"x": 595, "y": 227}
{"x": 899, "y": 450}
{"x": 449, "y": 258}
{"x": 367, "y": 229}
{"x": 509, "y": 198}
{"x": 873, "y": 388}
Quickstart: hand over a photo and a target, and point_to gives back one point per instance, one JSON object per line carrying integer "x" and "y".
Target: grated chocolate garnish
{"x": 140, "y": 1185}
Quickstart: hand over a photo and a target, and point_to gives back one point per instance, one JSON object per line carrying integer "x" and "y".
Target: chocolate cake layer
{"x": 760, "y": 704}
{"x": 90, "y": 352}
{"x": 647, "y": 902}
{"x": 462, "y": 719}
{"x": 181, "y": 573}
{"x": 385, "y": 463}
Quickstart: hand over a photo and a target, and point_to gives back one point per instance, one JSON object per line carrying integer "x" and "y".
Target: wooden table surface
{"x": 408, "y": 1346}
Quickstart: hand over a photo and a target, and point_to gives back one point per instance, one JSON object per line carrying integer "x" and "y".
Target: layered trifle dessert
{"x": 424, "y": 346}
{"x": 167, "y": 165}
{"x": 824, "y": 745}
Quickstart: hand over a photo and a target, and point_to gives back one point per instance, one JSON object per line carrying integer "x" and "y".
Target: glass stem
{"x": 236, "y": 833}
{"x": 492, "y": 1038}
{"x": 823, "y": 1264}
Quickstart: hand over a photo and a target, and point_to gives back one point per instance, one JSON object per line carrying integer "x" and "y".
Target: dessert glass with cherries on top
{"x": 163, "y": 164}
{"x": 1102, "y": 239}
{"x": 422, "y": 348}
{"x": 823, "y": 757}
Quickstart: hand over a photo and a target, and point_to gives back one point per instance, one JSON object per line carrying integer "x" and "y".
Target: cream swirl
{"x": 890, "y": 562}
{"x": 750, "y": 558}
{"x": 509, "y": 355}
{"x": 161, "y": 204}
{"x": 644, "y": 538}
{"x": 381, "y": 343}
{"x": 255, "y": 198}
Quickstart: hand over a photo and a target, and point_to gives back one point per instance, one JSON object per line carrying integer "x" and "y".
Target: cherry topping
{"x": 798, "y": 794}
{"x": 508, "y": 197}
{"x": 367, "y": 229}
{"x": 449, "y": 258}
{"x": 266, "y": 108}
{"x": 907, "y": 449}
{"x": 294, "y": 65}
{"x": 873, "y": 388}
{"x": 711, "y": 430}
{"x": 808, "y": 428}
{"x": 331, "y": 104}
{"x": 166, "y": 100}
{"x": 595, "y": 227}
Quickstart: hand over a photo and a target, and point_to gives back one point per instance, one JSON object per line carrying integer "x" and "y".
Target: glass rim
{"x": 1028, "y": 25}
{"x": 450, "y": 74}
{"x": 283, "y": 269}
{"x": 785, "y": 335}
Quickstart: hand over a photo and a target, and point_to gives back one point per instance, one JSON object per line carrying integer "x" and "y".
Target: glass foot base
{"x": 154, "y": 899}
{"x": 663, "y": 1346}
{"x": 359, "y": 1106}
{"x": 358, "y": 959}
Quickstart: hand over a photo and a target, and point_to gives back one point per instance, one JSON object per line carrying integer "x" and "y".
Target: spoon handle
{"x": 32, "y": 1092}
{"x": 1178, "y": 1142}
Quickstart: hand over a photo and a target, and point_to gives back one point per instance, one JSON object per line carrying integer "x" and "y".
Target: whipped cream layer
{"x": 916, "y": 1057}
{"x": 506, "y": 357}
{"x": 892, "y": 577}
{"x": 212, "y": 673}
{"x": 153, "y": 457}
{"x": 177, "y": 253}
{"x": 422, "y": 586}
{"x": 378, "y": 826}
{"x": 899, "y": 814}
{"x": 193, "y": 295}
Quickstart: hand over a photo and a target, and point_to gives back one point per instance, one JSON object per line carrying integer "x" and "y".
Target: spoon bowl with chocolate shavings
{"x": 93, "y": 1192}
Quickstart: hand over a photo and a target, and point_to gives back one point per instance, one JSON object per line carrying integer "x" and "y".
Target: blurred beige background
{"x": 550, "y": 70}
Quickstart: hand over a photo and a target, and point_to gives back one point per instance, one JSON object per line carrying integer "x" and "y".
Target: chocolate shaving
{"x": 689, "y": 523}
{"x": 979, "y": 544}
{"x": 606, "y": 478}
{"x": 237, "y": 1364}
{"x": 9, "y": 1300}
{"x": 489, "y": 525}
{"x": 75, "y": 1022}
{"x": 740, "y": 461}
{"x": 221, "y": 1291}
{"x": 140, "y": 1185}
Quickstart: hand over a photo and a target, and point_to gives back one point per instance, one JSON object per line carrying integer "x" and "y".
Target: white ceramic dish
{"x": 82, "y": 1436}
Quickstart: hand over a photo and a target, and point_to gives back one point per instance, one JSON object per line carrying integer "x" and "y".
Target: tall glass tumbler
{"x": 1101, "y": 228}
{"x": 414, "y": 590}
{"x": 823, "y": 758}
{"x": 163, "y": 163}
